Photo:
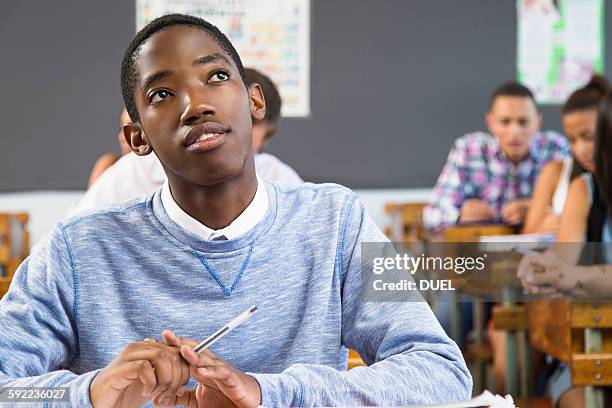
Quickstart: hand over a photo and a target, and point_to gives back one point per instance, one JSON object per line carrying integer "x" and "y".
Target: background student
{"x": 586, "y": 218}
{"x": 490, "y": 177}
{"x": 134, "y": 177}
{"x": 579, "y": 122}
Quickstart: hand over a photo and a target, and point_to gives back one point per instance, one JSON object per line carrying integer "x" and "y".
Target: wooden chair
{"x": 355, "y": 360}
{"x": 580, "y": 334}
{"x": 406, "y": 222}
{"x": 14, "y": 246}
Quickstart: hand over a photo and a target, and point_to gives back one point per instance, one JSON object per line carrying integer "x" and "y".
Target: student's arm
{"x": 542, "y": 198}
{"x": 575, "y": 216}
{"x": 448, "y": 195}
{"x": 412, "y": 361}
{"x": 37, "y": 322}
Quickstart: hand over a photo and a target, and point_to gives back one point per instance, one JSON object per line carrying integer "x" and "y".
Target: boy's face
{"x": 513, "y": 120}
{"x": 195, "y": 111}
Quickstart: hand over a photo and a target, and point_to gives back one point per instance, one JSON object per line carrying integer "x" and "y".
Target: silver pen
{"x": 210, "y": 340}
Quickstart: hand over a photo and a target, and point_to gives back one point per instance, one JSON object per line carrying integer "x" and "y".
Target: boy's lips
{"x": 205, "y": 137}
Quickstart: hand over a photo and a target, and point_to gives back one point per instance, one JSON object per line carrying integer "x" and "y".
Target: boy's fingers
{"x": 220, "y": 373}
{"x": 177, "y": 341}
{"x": 199, "y": 394}
{"x": 187, "y": 398}
{"x": 170, "y": 339}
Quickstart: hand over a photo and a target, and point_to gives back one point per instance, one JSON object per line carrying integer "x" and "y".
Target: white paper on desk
{"x": 486, "y": 399}
{"x": 502, "y": 243}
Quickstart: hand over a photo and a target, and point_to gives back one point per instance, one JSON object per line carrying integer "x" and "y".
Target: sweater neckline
{"x": 190, "y": 241}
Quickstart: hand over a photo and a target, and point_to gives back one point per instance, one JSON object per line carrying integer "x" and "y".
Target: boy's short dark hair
{"x": 270, "y": 92}
{"x": 512, "y": 88}
{"x": 129, "y": 69}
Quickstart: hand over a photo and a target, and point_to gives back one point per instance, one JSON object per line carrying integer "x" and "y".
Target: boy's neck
{"x": 218, "y": 205}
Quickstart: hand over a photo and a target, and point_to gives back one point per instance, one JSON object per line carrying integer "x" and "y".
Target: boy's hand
{"x": 141, "y": 372}
{"x": 474, "y": 210}
{"x": 221, "y": 385}
{"x": 546, "y": 275}
{"x": 515, "y": 211}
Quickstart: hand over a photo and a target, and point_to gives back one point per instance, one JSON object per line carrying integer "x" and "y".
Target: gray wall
{"x": 394, "y": 82}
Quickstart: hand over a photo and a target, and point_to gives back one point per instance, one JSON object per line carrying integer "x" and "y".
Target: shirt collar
{"x": 251, "y": 215}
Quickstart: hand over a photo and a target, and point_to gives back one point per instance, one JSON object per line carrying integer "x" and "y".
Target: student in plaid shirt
{"x": 490, "y": 178}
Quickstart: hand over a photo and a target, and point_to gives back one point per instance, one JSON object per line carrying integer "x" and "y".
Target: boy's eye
{"x": 159, "y": 95}
{"x": 219, "y": 76}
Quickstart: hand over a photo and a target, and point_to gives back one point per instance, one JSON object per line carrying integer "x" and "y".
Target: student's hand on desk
{"x": 547, "y": 275}
{"x": 220, "y": 384}
{"x": 474, "y": 210}
{"x": 142, "y": 371}
{"x": 515, "y": 211}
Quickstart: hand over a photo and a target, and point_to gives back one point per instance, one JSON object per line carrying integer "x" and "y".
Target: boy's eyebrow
{"x": 211, "y": 58}
{"x": 148, "y": 81}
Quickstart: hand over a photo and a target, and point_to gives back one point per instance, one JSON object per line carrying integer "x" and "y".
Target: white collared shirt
{"x": 251, "y": 215}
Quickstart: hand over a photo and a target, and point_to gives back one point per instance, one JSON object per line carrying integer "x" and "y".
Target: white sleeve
{"x": 270, "y": 168}
{"x": 130, "y": 177}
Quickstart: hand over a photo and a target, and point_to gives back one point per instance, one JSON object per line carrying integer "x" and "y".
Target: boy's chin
{"x": 219, "y": 176}
{"x": 516, "y": 153}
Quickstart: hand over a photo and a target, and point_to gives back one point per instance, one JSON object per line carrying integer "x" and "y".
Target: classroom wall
{"x": 394, "y": 82}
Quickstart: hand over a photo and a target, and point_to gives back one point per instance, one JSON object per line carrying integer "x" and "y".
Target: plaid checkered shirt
{"x": 477, "y": 168}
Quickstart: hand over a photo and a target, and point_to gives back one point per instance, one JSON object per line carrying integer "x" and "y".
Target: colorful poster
{"x": 272, "y": 36}
{"x": 559, "y": 48}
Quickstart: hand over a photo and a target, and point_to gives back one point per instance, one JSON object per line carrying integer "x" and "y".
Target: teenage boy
{"x": 491, "y": 177}
{"x": 211, "y": 242}
{"x": 133, "y": 177}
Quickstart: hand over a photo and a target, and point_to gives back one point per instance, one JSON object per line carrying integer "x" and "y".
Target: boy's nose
{"x": 196, "y": 107}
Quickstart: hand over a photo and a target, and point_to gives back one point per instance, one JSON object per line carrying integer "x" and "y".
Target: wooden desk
{"x": 501, "y": 272}
{"x": 406, "y": 221}
{"x": 4, "y": 285}
{"x": 355, "y": 360}
{"x": 14, "y": 241}
{"x": 580, "y": 334}
{"x": 14, "y": 246}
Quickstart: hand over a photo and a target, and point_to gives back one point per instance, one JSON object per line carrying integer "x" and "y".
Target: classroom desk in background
{"x": 579, "y": 334}
{"x": 4, "y": 285}
{"x": 14, "y": 246}
{"x": 500, "y": 277}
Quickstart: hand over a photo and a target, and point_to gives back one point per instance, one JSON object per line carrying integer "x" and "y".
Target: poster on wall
{"x": 272, "y": 36}
{"x": 559, "y": 45}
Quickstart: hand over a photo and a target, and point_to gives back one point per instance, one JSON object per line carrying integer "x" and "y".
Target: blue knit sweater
{"x": 120, "y": 275}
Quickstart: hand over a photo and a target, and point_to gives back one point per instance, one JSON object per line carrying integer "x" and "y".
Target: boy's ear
{"x": 136, "y": 139}
{"x": 539, "y": 120}
{"x": 489, "y": 121}
{"x": 257, "y": 101}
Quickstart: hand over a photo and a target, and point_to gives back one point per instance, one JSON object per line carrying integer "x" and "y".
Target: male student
{"x": 133, "y": 176}
{"x": 214, "y": 240}
{"x": 490, "y": 177}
